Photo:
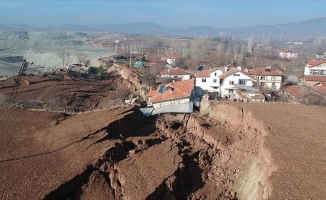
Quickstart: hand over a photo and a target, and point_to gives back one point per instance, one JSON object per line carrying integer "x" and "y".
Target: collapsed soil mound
{"x": 234, "y": 151}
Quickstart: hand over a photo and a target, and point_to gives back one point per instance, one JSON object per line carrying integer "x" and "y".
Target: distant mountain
{"x": 314, "y": 27}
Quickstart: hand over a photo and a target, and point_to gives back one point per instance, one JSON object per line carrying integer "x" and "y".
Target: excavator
{"x": 21, "y": 72}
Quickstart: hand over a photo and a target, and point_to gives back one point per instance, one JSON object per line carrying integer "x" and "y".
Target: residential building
{"x": 314, "y": 80}
{"x": 209, "y": 80}
{"x": 171, "y": 59}
{"x": 175, "y": 97}
{"x": 232, "y": 80}
{"x": 267, "y": 78}
{"x": 289, "y": 54}
{"x": 315, "y": 68}
{"x": 175, "y": 73}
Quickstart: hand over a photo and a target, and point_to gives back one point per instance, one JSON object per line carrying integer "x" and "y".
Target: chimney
{"x": 246, "y": 70}
{"x": 239, "y": 68}
{"x": 267, "y": 69}
{"x": 225, "y": 69}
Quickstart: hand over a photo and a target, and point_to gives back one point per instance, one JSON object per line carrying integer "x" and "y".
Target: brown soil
{"x": 70, "y": 94}
{"x": 287, "y": 149}
{"x": 227, "y": 151}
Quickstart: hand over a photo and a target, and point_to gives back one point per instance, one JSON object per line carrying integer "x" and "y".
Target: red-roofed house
{"x": 175, "y": 73}
{"x": 266, "y": 77}
{"x": 308, "y": 95}
{"x": 209, "y": 80}
{"x": 174, "y": 97}
{"x": 314, "y": 80}
{"x": 315, "y": 68}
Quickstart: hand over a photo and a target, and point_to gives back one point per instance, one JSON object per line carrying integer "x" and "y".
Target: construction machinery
{"x": 21, "y": 72}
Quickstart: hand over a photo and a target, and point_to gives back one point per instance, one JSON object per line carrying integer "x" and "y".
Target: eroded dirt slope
{"x": 290, "y": 161}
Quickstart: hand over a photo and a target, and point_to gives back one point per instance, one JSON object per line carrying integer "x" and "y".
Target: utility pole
{"x": 130, "y": 56}
{"x": 254, "y": 66}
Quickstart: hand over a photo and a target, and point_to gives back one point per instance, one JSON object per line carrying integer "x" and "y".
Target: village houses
{"x": 225, "y": 82}
{"x": 289, "y": 54}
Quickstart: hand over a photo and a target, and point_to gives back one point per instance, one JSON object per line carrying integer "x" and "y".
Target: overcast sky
{"x": 167, "y": 13}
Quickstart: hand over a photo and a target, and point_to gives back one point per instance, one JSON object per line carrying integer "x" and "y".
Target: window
{"x": 215, "y": 80}
{"x": 262, "y": 78}
{"x": 273, "y": 78}
{"x": 231, "y": 83}
{"x": 236, "y": 74}
{"x": 231, "y": 91}
{"x": 215, "y": 74}
{"x": 242, "y": 82}
{"x": 203, "y": 80}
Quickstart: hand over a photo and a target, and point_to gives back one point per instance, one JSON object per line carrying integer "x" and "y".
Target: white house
{"x": 315, "y": 68}
{"x": 230, "y": 80}
{"x": 171, "y": 59}
{"x": 175, "y": 73}
{"x": 288, "y": 54}
{"x": 209, "y": 80}
{"x": 266, "y": 77}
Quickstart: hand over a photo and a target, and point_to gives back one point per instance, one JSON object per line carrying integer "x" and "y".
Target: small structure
{"x": 139, "y": 64}
{"x": 171, "y": 59}
{"x": 78, "y": 69}
{"x": 175, "y": 73}
{"x": 174, "y": 97}
{"x": 289, "y": 54}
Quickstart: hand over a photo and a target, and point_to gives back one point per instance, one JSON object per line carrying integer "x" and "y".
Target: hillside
{"x": 298, "y": 30}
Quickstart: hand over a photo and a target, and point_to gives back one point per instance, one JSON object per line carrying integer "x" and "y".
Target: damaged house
{"x": 175, "y": 97}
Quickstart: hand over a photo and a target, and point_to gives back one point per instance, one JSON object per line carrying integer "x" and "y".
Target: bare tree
{"x": 81, "y": 58}
{"x": 64, "y": 56}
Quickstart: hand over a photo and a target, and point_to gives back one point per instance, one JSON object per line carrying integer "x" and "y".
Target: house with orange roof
{"x": 209, "y": 80}
{"x": 314, "y": 80}
{"x": 175, "y": 73}
{"x": 266, "y": 77}
{"x": 296, "y": 93}
{"x": 175, "y": 97}
{"x": 315, "y": 68}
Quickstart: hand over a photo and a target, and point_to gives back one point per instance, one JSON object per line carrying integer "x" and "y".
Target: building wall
{"x": 227, "y": 86}
{"x": 161, "y": 104}
{"x": 317, "y": 70}
{"x": 212, "y": 83}
{"x": 269, "y": 80}
{"x": 182, "y": 77}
